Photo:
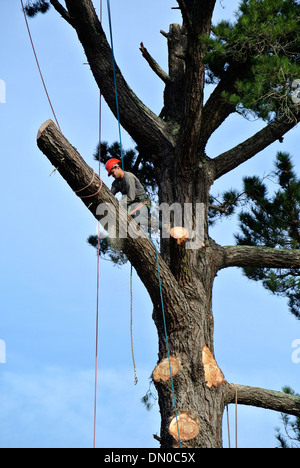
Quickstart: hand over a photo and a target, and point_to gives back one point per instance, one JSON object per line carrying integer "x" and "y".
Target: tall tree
{"x": 253, "y": 63}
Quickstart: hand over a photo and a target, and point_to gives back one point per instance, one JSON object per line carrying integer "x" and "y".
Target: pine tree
{"x": 253, "y": 63}
{"x": 269, "y": 220}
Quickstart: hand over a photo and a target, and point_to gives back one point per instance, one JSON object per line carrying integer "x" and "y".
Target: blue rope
{"x": 115, "y": 78}
{"x": 157, "y": 259}
{"x": 167, "y": 342}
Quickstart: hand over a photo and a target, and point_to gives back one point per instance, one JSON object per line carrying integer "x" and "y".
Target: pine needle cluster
{"x": 268, "y": 220}
{"x": 32, "y": 8}
{"x": 263, "y": 45}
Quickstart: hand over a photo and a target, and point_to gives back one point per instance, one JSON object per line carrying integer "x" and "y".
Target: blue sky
{"x": 48, "y": 271}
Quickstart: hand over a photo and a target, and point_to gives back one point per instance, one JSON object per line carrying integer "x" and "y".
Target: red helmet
{"x": 110, "y": 164}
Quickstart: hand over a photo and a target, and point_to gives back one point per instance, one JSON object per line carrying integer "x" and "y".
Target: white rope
{"x": 131, "y": 329}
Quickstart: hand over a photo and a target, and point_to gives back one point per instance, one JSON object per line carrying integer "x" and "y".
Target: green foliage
{"x": 291, "y": 436}
{"x": 32, "y": 8}
{"x": 274, "y": 222}
{"x": 150, "y": 398}
{"x": 108, "y": 250}
{"x": 223, "y": 206}
{"x": 270, "y": 221}
{"x": 263, "y": 45}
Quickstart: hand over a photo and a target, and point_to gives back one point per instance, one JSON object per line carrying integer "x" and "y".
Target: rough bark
{"x": 263, "y": 398}
{"x": 244, "y": 256}
{"x": 154, "y": 65}
{"x": 148, "y": 130}
{"x": 198, "y": 22}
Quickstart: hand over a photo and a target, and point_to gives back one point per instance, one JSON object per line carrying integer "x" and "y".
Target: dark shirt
{"x": 129, "y": 186}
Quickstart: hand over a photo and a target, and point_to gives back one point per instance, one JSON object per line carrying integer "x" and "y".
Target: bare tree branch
{"x": 62, "y": 11}
{"x": 217, "y": 108}
{"x": 154, "y": 65}
{"x": 241, "y": 153}
{"x": 264, "y": 257}
{"x": 215, "y": 112}
{"x": 141, "y": 123}
{"x": 262, "y": 398}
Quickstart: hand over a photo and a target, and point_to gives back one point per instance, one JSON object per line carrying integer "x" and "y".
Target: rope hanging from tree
{"x": 131, "y": 328}
{"x": 236, "y": 421}
{"x": 115, "y": 79}
{"x": 98, "y": 266}
{"x": 38, "y": 64}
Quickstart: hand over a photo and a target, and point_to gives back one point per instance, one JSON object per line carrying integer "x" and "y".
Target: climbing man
{"x": 134, "y": 198}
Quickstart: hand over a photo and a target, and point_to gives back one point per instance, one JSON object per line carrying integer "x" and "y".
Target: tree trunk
{"x": 197, "y": 382}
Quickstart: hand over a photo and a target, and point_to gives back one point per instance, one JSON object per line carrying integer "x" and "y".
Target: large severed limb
{"x": 94, "y": 194}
